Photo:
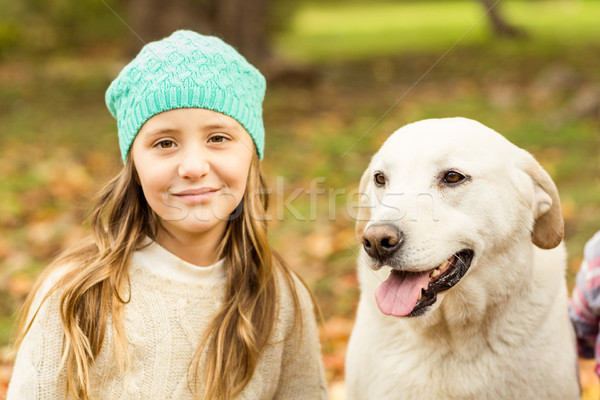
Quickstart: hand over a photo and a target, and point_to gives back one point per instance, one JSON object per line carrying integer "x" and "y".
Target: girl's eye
{"x": 166, "y": 144}
{"x": 379, "y": 179}
{"x": 453, "y": 177}
{"x": 218, "y": 139}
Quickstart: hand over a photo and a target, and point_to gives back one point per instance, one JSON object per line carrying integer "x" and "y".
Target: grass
{"x": 334, "y": 32}
{"x": 327, "y": 32}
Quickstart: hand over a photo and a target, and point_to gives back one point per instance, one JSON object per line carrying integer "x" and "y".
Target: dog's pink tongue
{"x": 399, "y": 293}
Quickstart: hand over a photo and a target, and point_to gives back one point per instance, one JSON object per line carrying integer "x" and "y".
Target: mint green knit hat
{"x": 187, "y": 70}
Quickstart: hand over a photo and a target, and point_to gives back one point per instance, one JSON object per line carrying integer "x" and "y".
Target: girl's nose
{"x": 194, "y": 164}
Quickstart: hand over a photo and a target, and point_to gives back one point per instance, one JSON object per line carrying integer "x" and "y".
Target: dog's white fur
{"x": 503, "y": 331}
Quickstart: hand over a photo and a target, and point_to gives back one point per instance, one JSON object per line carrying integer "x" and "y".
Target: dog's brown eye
{"x": 379, "y": 179}
{"x": 453, "y": 177}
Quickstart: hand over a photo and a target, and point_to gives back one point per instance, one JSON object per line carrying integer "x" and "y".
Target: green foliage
{"x": 39, "y": 26}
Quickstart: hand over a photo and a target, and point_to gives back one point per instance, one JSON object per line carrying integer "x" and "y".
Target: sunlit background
{"x": 343, "y": 75}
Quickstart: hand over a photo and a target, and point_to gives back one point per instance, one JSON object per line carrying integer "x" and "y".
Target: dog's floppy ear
{"x": 548, "y": 228}
{"x": 364, "y": 211}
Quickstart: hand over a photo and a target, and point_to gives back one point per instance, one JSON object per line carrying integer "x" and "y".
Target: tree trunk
{"x": 151, "y": 20}
{"x": 500, "y": 25}
{"x": 241, "y": 23}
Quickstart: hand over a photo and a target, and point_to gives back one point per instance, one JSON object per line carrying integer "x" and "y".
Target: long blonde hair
{"x": 91, "y": 291}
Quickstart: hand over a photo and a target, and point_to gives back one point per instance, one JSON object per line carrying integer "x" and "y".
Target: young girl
{"x": 178, "y": 294}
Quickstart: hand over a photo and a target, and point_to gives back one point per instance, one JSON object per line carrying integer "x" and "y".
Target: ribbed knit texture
{"x": 171, "y": 304}
{"x": 187, "y": 70}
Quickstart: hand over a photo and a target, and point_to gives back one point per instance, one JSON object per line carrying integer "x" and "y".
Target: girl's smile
{"x": 192, "y": 165}
{"x": 200, "y": 195}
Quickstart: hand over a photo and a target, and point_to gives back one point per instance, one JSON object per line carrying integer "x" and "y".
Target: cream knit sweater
{"x": 171, "y": 304}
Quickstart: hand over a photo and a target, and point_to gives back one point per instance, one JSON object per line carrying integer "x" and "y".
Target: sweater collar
{"x": 159, "y": 261}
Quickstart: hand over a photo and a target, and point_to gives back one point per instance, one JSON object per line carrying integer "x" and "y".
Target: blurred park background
{"x": 342, "y": 75}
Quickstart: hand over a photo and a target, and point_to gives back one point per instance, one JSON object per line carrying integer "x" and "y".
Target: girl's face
{"x": 193, "y": 164}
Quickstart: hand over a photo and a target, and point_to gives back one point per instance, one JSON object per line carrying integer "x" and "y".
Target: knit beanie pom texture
{"x": 187, "y": 70}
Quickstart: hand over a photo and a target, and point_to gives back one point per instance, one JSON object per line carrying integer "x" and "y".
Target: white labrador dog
{"x": 463, "y": 294}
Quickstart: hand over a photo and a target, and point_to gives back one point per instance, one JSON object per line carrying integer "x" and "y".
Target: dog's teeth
{"x": 444, "y": 265}
{"x": 435, "y": 273}
{"x": 420, "y": 295}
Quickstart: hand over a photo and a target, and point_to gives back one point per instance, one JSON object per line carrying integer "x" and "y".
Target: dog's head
{"x": 441, "y": 197}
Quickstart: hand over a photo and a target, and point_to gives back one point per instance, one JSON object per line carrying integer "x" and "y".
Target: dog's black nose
{"x": 382, "y": 241}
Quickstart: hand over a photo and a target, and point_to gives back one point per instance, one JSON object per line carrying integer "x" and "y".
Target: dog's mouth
{"x": 409, "y": 294}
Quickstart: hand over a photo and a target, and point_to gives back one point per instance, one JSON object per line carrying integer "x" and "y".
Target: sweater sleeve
{"x": 37, "y": 373}
{"x": 302, "y": 376}
{"x": 584, "y": 305}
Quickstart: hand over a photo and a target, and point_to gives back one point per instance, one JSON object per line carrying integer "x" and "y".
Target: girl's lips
{"x": 195, "y": 195}
{"x": 195, "y": 192}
